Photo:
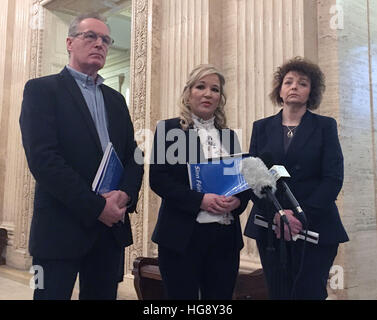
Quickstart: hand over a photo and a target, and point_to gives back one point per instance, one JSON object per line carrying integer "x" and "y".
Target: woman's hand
{"x": 294, "y": 223}
{"x": 214, "y": 203}
{"x": 217, "y": 204}
{"x": 232, "y": 202}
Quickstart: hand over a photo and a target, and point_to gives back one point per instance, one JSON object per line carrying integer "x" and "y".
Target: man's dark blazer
{"x": 315, "y": 162}
{"x": 63, "y": 151}
{"x": 181, "y": 205}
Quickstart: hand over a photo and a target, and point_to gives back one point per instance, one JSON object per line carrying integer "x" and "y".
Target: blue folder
{"x": 218, "y": 175}
{"x": 109, "y": 173}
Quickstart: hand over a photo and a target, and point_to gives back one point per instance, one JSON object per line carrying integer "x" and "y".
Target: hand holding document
{"x": 109, "y": 172}
{"x": 106, "y": 183}
{"x": 220, "y": 176}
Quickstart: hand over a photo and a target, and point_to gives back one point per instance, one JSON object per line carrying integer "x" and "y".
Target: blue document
{"x": 218, "y": 175}
{"x": 109, "y": 173}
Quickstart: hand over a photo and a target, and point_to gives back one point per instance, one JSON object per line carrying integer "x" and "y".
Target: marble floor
{"x": 14, "y": 285}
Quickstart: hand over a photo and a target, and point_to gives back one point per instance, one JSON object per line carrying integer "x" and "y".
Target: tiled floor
{"x": 14, "y": 285}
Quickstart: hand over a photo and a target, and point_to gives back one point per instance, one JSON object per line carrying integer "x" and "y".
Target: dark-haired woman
{"x": 307, "y": 145}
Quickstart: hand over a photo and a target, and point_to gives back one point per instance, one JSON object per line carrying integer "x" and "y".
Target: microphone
{"x": 261, "y": 182}
{"x": 279, "y": 173}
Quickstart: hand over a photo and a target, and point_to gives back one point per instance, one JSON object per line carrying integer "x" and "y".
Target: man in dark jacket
{"x": 67, "y": 120}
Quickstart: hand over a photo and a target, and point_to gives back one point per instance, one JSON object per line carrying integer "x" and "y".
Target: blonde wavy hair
{"x": 198, "y": 73}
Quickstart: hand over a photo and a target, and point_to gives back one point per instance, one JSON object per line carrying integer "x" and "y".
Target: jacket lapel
{"x": 275, "y": 140}
{"x": 75, "y": 91}
{"x": 303, "y": 133}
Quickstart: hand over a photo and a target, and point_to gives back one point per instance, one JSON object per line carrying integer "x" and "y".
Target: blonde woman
{"x": 198, "y": 235}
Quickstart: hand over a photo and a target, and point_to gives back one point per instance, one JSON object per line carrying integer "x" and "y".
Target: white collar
{"x": 203, "y": 124}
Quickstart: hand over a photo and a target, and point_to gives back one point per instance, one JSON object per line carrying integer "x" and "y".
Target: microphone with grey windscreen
{"x": 261, "y": 182}
{"x": 280, "y": 173}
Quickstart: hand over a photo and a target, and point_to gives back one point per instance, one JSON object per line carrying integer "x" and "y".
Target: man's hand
{"x": 122, "y": 198}
{"x": 294, "y": 223}
{"x": 115, "y": 207}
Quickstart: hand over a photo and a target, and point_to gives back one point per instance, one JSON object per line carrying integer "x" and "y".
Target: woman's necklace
{"x": 291, "y": 131}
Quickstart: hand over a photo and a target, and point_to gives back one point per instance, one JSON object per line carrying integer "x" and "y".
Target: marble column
{"x": 17, "y": 183}
{"x": 257, "y": 36}
{"x": 6, "y": 25}
{"x": 142, "y": 17}
{"x": 347, "y": 54}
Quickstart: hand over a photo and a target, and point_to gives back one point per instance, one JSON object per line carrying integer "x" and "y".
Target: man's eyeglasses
{"x": 92, "y": 37}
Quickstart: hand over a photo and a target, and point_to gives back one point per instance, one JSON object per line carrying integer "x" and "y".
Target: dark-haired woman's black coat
{"x": 315, "y": 162}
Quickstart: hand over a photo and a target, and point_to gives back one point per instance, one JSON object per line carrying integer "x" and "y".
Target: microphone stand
{"x": 279, "y": 271}
{"x": 282, "y": 284}
{"x": 270, "y": 234}
{"x": 284, "y": 280}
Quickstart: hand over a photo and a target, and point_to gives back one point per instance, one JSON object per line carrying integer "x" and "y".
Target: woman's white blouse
{"x": 209, "y": 138}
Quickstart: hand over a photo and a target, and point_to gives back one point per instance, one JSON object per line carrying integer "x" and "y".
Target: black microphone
{"x": 261, "y": 182}
{"x": 279, "y": 173}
